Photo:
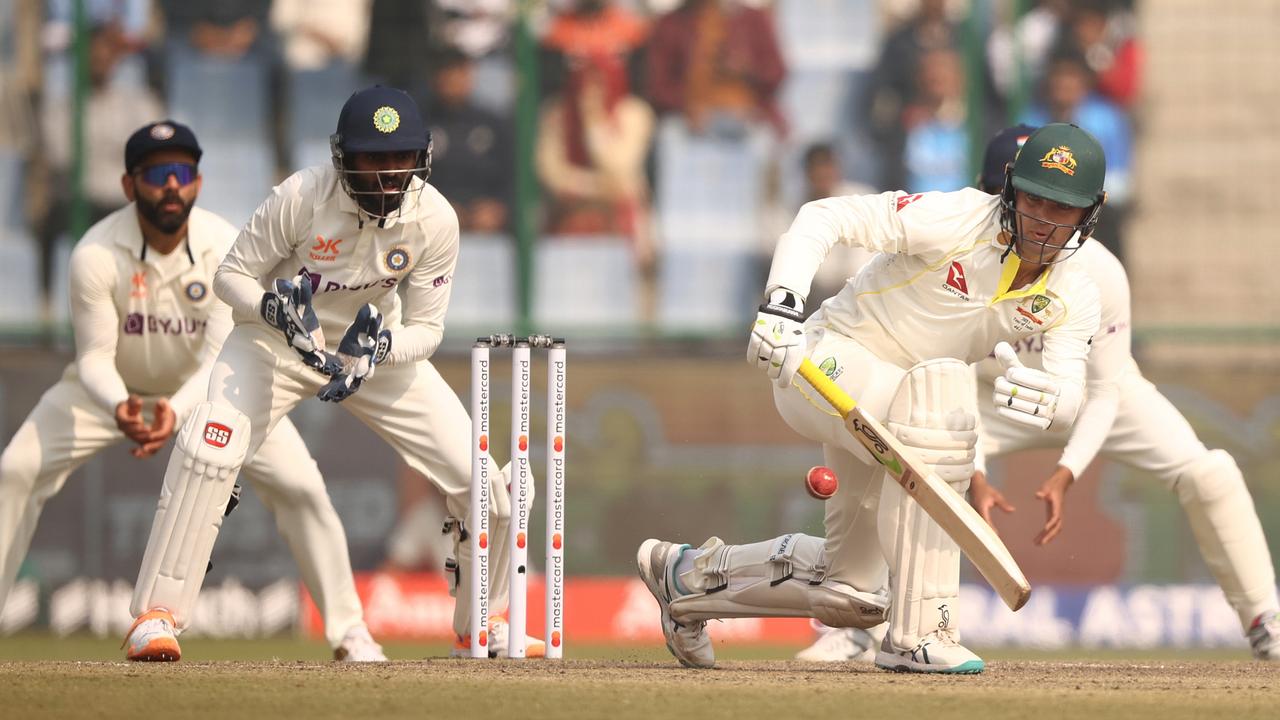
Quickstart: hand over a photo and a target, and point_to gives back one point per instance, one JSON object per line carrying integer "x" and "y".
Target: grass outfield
{"x": 284, "y": 678}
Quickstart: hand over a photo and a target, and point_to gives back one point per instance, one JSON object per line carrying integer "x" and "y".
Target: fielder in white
{"x": 1128, "y": 421}
{"x": 960, "y": 272}
{"x": 146, "y": 332}
{"x": 323, "y": 257}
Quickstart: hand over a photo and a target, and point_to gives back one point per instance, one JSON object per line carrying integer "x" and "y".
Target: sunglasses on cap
{"x": 158, "y": 175}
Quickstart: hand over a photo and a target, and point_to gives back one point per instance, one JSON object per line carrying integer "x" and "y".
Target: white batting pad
{"x": 935, "y": 413}
{"x": 206, "y": 458}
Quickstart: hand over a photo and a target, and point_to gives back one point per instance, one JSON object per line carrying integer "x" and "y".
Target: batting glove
{"x": 777, "y": 338}
{"x": 1024, "y": 395}
{"x": 364, "y": 345}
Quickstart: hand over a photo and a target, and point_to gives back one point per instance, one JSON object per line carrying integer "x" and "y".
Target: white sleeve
{"x": 927, "y": 225}
{"x": 195, "y": 389}
{"x": 1109, "y": 357}
{"x": 267, "y": 239}
{"x": 426, "y": 295}
{"x": 95, "y": 323}
{"x": 862, "y": 220}
{"x": 1066, "y": 349}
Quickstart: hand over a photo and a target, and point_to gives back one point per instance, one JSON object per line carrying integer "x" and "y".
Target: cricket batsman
{"x": 314, "y": 281}
{"x": 1128, "y": 421}
{"x": 959, "y": 273}
{"x": 147, "y": 330}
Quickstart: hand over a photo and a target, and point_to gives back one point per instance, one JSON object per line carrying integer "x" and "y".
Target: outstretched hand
{"x": 1054, "y": 494}
{"x": 985, "y": 498}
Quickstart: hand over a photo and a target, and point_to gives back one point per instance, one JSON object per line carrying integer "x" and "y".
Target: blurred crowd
{"x": 674, "y": 138}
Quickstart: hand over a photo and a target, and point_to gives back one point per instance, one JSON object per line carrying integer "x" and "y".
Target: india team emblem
{"x": 161, "y": 132}
{"x": 1040, "y": 302}
{"x": 386, "y": 119}
{"x": 196, "y": 291}
{"x": 397, "y": 259}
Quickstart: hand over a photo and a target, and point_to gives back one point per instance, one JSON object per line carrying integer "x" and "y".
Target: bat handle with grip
{"x": 829, "y": 391}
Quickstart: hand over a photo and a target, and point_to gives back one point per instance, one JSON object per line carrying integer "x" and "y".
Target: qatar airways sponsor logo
{"x": 143, "y": 324}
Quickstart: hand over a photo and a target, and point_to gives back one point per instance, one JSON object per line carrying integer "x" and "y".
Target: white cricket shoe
{"x": 500, "y": 639}
{"x": 844, "y": 644}
{"x": 497, "y": 640}
{"x": 688, "y": 642}
{"x": 1264, "y": 636}
{"x": 358, "y": 646}
{"x": 152, "y": 638}
{"x": 938, "y": 652}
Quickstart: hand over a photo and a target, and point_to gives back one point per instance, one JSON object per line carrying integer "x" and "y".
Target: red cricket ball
{"x": 821, "y": 482}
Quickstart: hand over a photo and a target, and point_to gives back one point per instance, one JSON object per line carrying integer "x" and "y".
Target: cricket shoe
{"x": 358, "y": 646}
{"x": 497, "y": 641}
{"x": 937, "y": 652}
{"x": 152, "y": 638}
{"x": 500, "y": 640}
{"x": 844, "y": 644}
{"x": 688, "y": 642}
{"x": 1264, "y": 636}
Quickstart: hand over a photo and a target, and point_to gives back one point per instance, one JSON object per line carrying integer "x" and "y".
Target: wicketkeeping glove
{"x": 287, "y": 308}
{"x": 777, "y": 337}
{"x": 364, "y": 345}
{"x": 1024, "y": 395}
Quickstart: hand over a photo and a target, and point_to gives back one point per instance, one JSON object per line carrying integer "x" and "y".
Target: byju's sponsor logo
{"x": 140, "y": 324}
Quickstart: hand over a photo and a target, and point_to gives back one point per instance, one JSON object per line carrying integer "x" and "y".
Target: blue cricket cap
{"x": 1001, "y": 150}
{"x": 381, "y": 119}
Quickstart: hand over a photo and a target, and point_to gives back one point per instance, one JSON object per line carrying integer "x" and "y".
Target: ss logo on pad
{"x": 217, "y": 435}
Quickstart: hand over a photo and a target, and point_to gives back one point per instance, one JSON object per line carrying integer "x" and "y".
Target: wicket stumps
{"x": 521, "y": 483}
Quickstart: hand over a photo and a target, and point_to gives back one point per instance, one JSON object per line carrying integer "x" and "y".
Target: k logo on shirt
{"x": 956, "y": 284}
{"x": 325, "y": 250}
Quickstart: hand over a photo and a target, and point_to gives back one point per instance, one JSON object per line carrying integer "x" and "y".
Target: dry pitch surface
{"x": 632, "y": 684}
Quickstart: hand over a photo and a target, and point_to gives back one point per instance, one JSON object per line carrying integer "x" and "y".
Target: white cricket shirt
{"x": 1110, "y": 358}
{"x": 147, "y": 323}
{"x": 942, "y": 286}
{"x": 310, "y": 226}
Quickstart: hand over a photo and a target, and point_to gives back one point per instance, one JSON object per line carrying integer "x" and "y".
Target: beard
{"x": 165, "y": 220}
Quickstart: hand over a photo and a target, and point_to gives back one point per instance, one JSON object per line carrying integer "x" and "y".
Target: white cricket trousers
{"x": 67, "y": 428}
{"x": 410, "y": 406}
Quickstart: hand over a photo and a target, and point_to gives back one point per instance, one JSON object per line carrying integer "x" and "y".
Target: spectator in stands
{"x": 1106, "y": 40}
{"x": 894, "y": 83}
{"x": 113, "y": 112}
{"x": 472, "y": 157}
{"x": 397, "y": 53}
{"x": 228, "y": 29}
{"x": 482, "y": 30}
{"x": 318, "y": 34}
{"x": 823, "y": 179}
{"x": 322, "y": 42}
{"x": 1017, "y": 52}
{"x": 1070, "y": 95}
{"x": 717, "y": 63}
{"x": 592, "y": 27}
{"x": 935, "y": 153}
{"x": 593, "y": 139}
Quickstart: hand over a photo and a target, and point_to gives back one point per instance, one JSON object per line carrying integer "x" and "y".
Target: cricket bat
{"x": 947, "y": 508}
